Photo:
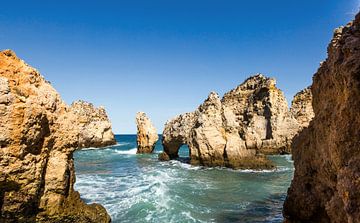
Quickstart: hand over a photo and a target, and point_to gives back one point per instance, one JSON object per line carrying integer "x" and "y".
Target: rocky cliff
{"x": 94, "y": 125}
{"x": 37, "y": 140}
{"x": 250, "y": 120}
{"x": 326, "y": 184}
{"x": 301, "y": 108}
{"x": 147, "y": 135}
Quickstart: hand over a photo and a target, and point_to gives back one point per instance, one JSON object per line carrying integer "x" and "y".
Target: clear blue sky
{"x": 164, "y": 57}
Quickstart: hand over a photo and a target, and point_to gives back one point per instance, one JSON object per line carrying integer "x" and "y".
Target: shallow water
{"x": 139, "y": 188}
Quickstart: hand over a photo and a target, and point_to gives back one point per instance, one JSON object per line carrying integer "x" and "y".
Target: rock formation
{"x": 301, "y": 108}
{"x": 94, "y": 125}
{"x": 254, "y": 118}
{"x": 326, "y": 184}
{"x": 146, "y": 134}
{"x": 37, "y": 140}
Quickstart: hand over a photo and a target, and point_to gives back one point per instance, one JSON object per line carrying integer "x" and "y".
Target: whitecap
{"x": 127, "y": 152}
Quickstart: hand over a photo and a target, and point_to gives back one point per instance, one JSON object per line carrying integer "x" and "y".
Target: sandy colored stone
{"x": 326, "y": 184}
{"x": 94, "y": 125}
{"x": 37, "y": 140}
{"x": 147, "y": 135}
{"x": 301, "y": 108}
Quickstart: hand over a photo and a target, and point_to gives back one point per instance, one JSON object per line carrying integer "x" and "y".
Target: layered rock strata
{"x": 250, "y": 120}
{"x": 94, "y": 125}
{"x": 147, "y": 135}
{"x": 37, "y": 141}
{"x": 326, "y": 184}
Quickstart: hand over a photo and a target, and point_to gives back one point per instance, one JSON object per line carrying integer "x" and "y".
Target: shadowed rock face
{"x": 94, "y": 125}
{"x": 254, "y": 118}
{"x": 37, "y": 139}
{"x": 146, "y": 134}
{"x": 326, "y": 184}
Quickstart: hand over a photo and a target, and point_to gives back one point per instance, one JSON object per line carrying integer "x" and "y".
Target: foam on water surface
{"x": 139, "y": 188}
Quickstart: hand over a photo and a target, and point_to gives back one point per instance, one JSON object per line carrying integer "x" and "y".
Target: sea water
{"x": 138, "y": 188}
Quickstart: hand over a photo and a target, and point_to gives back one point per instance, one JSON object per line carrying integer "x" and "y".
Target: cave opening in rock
{"x": 184, "y": 154}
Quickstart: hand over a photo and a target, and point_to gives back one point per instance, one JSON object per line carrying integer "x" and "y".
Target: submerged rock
{"x": 146, "y": 134}
{"x": 254, "y": 118}
{"x": 94, "y": 125}
{"x": 326, "y": 184}
{"x": 301, "y": 108}
{"x": 37, "y": 140}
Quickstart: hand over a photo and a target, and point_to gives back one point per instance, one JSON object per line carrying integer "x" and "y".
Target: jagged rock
{"x": 254, "y": 118}
{"x": 37, "y": 140}
{"x": 326, "y": 184}
{"x": 94, "y": 125}
{"x": 301, "y": 108}
{"x": 146, "y": 134}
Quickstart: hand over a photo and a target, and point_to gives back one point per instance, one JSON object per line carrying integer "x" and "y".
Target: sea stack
{"x": 301, "y": 108}
{"x": 251, "y": 120}
{"x": 326, "y": 184}
{"x": 37, "y": 140}
{"x": 147, "y": 135}
{"x": 94, "y": 125}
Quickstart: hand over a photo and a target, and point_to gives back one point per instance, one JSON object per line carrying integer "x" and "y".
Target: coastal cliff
{"x": 326, "y": 155}
{"x": 94, "y": 125}
{"x": 146, "y": 134}
{"x": 37, "y": 140}
{"x": 251, "y": 120}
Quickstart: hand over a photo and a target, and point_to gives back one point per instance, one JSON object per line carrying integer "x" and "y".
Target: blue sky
{"x": 164, "y": 57}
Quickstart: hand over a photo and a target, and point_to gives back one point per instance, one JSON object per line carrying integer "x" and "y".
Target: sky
{"x": 163, "y": 57}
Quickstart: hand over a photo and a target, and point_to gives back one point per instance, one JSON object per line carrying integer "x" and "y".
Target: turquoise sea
{"x": 139, "y": 188}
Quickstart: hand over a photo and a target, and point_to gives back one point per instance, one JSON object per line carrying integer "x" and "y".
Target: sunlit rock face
{"x": 301, "y": 108}
{"x": 37, "y": 139}
{"x": 234, "y": 131}
{"x": 147, "y": 135}
{"x": 326, "y": 184}
{"x": 94, "y": 125}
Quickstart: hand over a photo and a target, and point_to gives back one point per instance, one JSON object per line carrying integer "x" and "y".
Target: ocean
{"x": 138, "y": 188}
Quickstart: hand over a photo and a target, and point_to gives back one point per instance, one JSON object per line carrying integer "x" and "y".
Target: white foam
{"x": 127, "y": 152}
{"x": 289, "y": 158}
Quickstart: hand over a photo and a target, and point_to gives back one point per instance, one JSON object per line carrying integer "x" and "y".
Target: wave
{"x": 127, "y": 152}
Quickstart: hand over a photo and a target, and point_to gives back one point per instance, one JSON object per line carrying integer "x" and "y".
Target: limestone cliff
{"x": 250, "y": 120}
{"x": 94, "y": 125}
{"x": 147, "y": 135}
{"x": 326, "y": 184}
{"x": 301, "y": 108}
{"x": 37, "y": 140}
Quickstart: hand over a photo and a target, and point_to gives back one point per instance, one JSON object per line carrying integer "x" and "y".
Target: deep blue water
{"x": 139, "y": 188}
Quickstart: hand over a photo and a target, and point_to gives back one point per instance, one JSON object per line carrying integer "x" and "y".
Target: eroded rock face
{"x": 94, "y": 125}
{"x": 301, "y": 108}
{"x": 254, "y": 118}
{"x": 146, "y": 134}
{"x": 326, "y": 185}
{"x": 37, "y": 140}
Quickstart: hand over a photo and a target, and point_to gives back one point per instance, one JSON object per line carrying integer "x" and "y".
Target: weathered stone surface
{"x": 147, "y": 135}
{"x": 254, "y": 118}
{"x": 326, "y": 184}
{"x": 94, "y": 125}
{"x": 301, "y": 108}
{"x": 37, "y": 140}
